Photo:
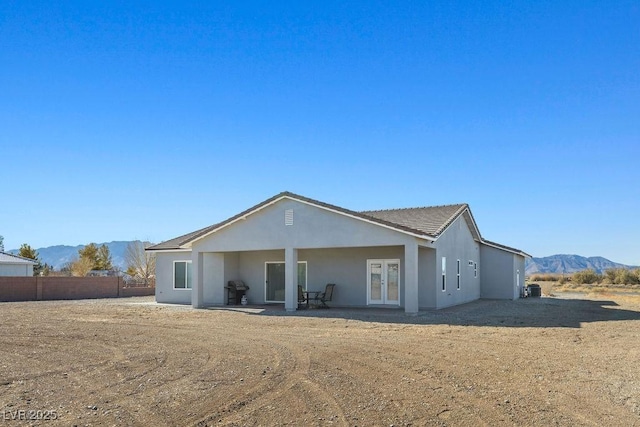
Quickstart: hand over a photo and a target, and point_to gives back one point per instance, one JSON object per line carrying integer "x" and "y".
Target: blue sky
{"x": 148, "y": 120}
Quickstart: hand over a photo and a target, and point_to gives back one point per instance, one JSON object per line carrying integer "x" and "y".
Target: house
{"x": 430, "y": 257}
{"x": 14, "y": 265}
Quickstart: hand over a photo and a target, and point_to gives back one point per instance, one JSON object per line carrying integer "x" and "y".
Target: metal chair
{"x": 323, "y": 297}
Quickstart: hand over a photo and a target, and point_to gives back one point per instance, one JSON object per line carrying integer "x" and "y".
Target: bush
{"x": 586, "y": 277}
{"x": 622, "y": 276}
{"x": 546, "y": 277}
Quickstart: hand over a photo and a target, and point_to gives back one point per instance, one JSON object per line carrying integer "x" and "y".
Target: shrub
{"x": 586, "y": 277}
{"x": 545, "y": 277}
{"x": 610, "y": 275}
{"x": 622, "y": 276}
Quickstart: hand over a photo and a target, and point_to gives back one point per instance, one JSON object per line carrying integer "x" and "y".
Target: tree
{"x": 27, "y": 251}
{"x": 89, "y": 252}
{"x": 1, "y": 243}
{"x": 103, "y": 259}
{"x": 141, "y": 264}
{"x": 98, "y": 257}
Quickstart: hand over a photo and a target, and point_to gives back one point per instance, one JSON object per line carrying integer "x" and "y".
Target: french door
{"x": 383, "y": 281}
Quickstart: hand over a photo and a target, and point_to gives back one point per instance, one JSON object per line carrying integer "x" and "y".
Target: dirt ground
{"x": 543, "y": 361}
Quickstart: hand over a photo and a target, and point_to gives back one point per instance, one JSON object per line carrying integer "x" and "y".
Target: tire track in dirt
{"x": 293, "y": 374}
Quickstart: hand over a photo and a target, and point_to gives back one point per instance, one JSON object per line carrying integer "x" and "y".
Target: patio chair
{"x": 323, "y": 297}
{"x": 302, "y": 299}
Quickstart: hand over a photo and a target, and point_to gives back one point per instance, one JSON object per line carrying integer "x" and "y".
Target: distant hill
{"x": 558, "y": 264}
{"x": 58, "y": 256}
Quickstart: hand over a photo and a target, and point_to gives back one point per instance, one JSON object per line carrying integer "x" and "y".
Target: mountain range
{"x": 560, "y": 264}
{"x": 59, "y": 255}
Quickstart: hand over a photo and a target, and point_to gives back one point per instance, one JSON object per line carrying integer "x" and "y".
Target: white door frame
{"x": 385, "y": 264}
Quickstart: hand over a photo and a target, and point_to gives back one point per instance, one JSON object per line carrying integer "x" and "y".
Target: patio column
{"x": 197, "y": 288}
{"x": 213, "y": 278}
{"x": 411, "y": 278}
{"x": 290, "y": 279}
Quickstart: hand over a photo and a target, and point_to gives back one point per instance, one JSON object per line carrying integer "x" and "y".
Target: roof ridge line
{"x": 453, "y": 217}
{"x": 415, "y": 207}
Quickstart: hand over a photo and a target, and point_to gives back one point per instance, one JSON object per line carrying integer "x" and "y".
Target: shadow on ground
{"x": 524, "y": 313}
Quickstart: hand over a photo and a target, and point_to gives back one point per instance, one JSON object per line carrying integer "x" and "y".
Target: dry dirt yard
{"x": 548, "y": 361}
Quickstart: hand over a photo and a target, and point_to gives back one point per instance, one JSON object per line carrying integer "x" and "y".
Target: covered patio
{"x": 384, "y": 276}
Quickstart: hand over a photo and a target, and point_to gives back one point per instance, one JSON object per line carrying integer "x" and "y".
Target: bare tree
{"x": 141, "y": 264}
{"x": 81, "y": 267}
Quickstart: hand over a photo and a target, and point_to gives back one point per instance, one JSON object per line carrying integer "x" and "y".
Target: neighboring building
{"x": 14, "y": 265}
{"x": 430, "y": 257}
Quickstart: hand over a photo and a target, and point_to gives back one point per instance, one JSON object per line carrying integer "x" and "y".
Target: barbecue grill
{"x": 236, "y": 289}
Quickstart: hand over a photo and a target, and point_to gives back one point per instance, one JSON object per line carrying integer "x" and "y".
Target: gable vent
{"x": 288, "y": 217}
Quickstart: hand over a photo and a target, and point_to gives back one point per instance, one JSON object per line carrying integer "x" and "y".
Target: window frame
{"x": 187, "y": 274}
{"x": 444, "y": 274}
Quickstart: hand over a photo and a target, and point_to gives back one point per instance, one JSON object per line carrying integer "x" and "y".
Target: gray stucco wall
{"x": 312, "y": 228}
{"x": 427, "y": 278}
{"x": 499, "y": 272}
{"x": 457, "y": 243}
{"x": 18, "y": 270}
{"x": 347, "y": 268}
{"x": 251, "y": 270}
{"x": 164, "y": 278}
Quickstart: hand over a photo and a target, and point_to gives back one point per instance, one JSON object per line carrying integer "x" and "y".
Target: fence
{"x": 60, "y": 288}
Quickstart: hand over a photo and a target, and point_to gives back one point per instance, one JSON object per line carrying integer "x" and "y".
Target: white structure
{"x": 14, "y": 265}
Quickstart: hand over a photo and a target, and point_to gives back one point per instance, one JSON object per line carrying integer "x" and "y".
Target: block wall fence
{"x": 66, "y": 288}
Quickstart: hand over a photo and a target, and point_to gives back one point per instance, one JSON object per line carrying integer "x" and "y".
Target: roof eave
{"x": 21, "y": 258}
{"x": 505, "y": 248}
{"x": 464, "y": 208}
{"x": 180, "y": 249}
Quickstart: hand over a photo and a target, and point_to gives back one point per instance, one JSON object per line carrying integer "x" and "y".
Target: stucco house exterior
{"x": 14, "y": 265}
{"x": 412, "y": 258}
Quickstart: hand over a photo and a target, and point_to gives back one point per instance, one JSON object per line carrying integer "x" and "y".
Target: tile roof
{"x": 7, "y": 258}
{"x": 428, "y": 221}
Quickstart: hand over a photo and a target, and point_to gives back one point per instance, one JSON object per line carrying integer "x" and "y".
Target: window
{"x": 444, "y": 274}
{"x": 458, "y": 277}
{"x": 182, "y": 275}
{"x": 475, "y": 269}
